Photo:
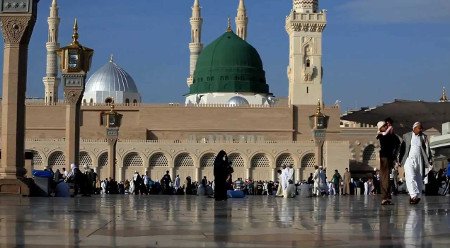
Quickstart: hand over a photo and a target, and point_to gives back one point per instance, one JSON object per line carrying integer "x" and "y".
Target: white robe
{"x": 284, "y": 180}
{"x": 413, "y": 165}
{"x": 316, "y": 177}
{"x": 177, "y": 183}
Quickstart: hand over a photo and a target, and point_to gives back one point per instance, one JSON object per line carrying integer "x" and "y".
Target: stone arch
{"x": 132, "y": 162}
{"x": 238, "y": 164}
{"x": 309, "y": 160}
{"x": 207, "y": 165}
{"x": 57, "y": 160}
{"x": 102, "y": 164}
{"x": 369, "y": 154}
{"x": 260, "y": 167}
{"x": 184, "y": 165}
{"x": 38, "y": 161}
{"x": 85, "y": 160}
{"x": 158, "y": 163}
{"x": 285, "y": 159}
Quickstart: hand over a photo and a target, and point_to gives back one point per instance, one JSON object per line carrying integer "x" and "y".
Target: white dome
{"x": 111, "y": 77}
{"x": 238, "y": 101}
{"x": 111, "y": 83}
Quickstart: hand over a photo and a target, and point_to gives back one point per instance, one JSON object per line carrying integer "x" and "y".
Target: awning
{"x": 404, "y": 113}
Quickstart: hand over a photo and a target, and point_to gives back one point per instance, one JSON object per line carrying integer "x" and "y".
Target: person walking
{"x": 346, "y": 186}
{"x": 337, "y": 178}
{"x": 416, "y": 157}
{"x": 389, "y": 147}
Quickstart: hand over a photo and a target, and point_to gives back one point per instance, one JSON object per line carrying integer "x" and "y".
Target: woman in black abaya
{"x": 221, "y": 165}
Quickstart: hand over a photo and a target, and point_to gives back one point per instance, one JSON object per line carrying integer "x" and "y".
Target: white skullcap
{"x": 380, "y": 124}
{"x": 417, "y": 124}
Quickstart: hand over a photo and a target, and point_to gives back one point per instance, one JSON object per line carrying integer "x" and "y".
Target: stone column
{"x": 112, "y": 144}
{"x": 17, "y": 26}
{"x": 73, "y": 101}
{"x": 198, "y": 177}
{"x": 248, "y": 173}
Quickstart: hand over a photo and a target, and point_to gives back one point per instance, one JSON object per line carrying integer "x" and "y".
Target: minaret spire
{"x": 444, "y": 97}
{"x": 241, "y": 21}
{"x": 195, "y": 46}
{"x": 51, "y": 80}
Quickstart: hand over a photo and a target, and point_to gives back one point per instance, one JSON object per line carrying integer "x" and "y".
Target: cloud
{"x": 398, "y": 11}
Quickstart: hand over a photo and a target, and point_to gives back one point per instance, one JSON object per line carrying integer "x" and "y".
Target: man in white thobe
{"x": 316, "y": 177}
{"x": 415, "y": 154}
{"x": 290, "y": 188}
{"x": 284, "y": 182}
{"x": 177, "y": 183}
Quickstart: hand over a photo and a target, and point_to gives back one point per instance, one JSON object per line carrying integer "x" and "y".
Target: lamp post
{"x": 319, "y": 124}
{"x": 17, "y": 19}
{"x": 112, "y": 120}
{"x": 75, "y": 64}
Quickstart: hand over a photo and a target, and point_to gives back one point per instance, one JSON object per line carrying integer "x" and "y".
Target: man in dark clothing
{"x": 166, "y": 180}
{"x": 389, "y": 148}
{"x": 310, "y": 179}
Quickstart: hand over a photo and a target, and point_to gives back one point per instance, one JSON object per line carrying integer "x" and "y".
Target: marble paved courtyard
{"x": 191, "y": 221}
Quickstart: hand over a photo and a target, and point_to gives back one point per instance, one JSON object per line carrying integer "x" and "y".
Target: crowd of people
{"x": 413, "y": 153}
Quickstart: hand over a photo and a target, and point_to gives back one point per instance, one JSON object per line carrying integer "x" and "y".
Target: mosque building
{"x": 226, "y": 81}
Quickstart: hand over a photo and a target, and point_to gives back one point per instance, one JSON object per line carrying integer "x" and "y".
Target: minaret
{"x": 195, "y": 46}
{"x": 305, "y": 25}
{"x": 51, "y": 80}
{"x": 241, "y": 21}
{"x": 444, "y": 97}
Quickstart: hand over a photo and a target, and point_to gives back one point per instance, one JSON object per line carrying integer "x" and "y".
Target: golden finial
{"x": 75, "y": 33}
{"x": 444, "y": 97}
{"x": 229, "y": 25}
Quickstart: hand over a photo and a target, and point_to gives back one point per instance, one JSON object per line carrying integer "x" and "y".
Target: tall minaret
{"x": 195, "y": 46}
{"x": 51, "y": 80}
{"x": 305, "y": 26}
{"x": 241, "y": 21}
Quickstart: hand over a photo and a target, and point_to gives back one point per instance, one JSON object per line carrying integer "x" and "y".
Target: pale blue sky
{"x": 374, "y": 51}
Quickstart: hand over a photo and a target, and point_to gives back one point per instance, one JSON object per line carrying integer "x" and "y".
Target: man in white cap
{"x": 416, "y": 157}
{"x": 389, "y": 146}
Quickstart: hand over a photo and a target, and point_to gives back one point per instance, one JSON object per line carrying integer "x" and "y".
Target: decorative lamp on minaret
{"x": 75, "y": 64}
{"x": 305, "y": 25}
{"x": 195, "y": 46}
{"x": 241, "y": 21}
{"x": 17, "y": 19}
{"x": 51, "y": 80}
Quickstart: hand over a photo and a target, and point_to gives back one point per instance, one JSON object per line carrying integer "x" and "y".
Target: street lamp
{"x": 319, "y": 124}
{"x": 112, "y": 120}
{"x": 75, "y": 64}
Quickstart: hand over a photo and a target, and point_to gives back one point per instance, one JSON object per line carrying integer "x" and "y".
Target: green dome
{"x": 229, "y": 64}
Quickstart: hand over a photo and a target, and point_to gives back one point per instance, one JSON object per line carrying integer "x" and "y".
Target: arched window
{"x": 56, "y": 159}
{"x": 135, "y": 102}
{"x": 208, "y": 160}
{"x": 132, "y": 159}
{"x": 309, "y": 160}
{"x": 108, "y": 100}
{"x": 236, "y": 160}
{"x": 127, "y": 101}
{"x": 260, "y": 160}
{"x": 159, "y": 159}
{"x": 308, "y": 63}
{"x": 91, "y": 102}
{"x": 103, "y": 160}
{"x": 285, "y": 159}
{"x": 369, "y": 154}
{"x": 37, "y": 159}
{"x": 183, "y": 160}
{"x": 85, "y": 160}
